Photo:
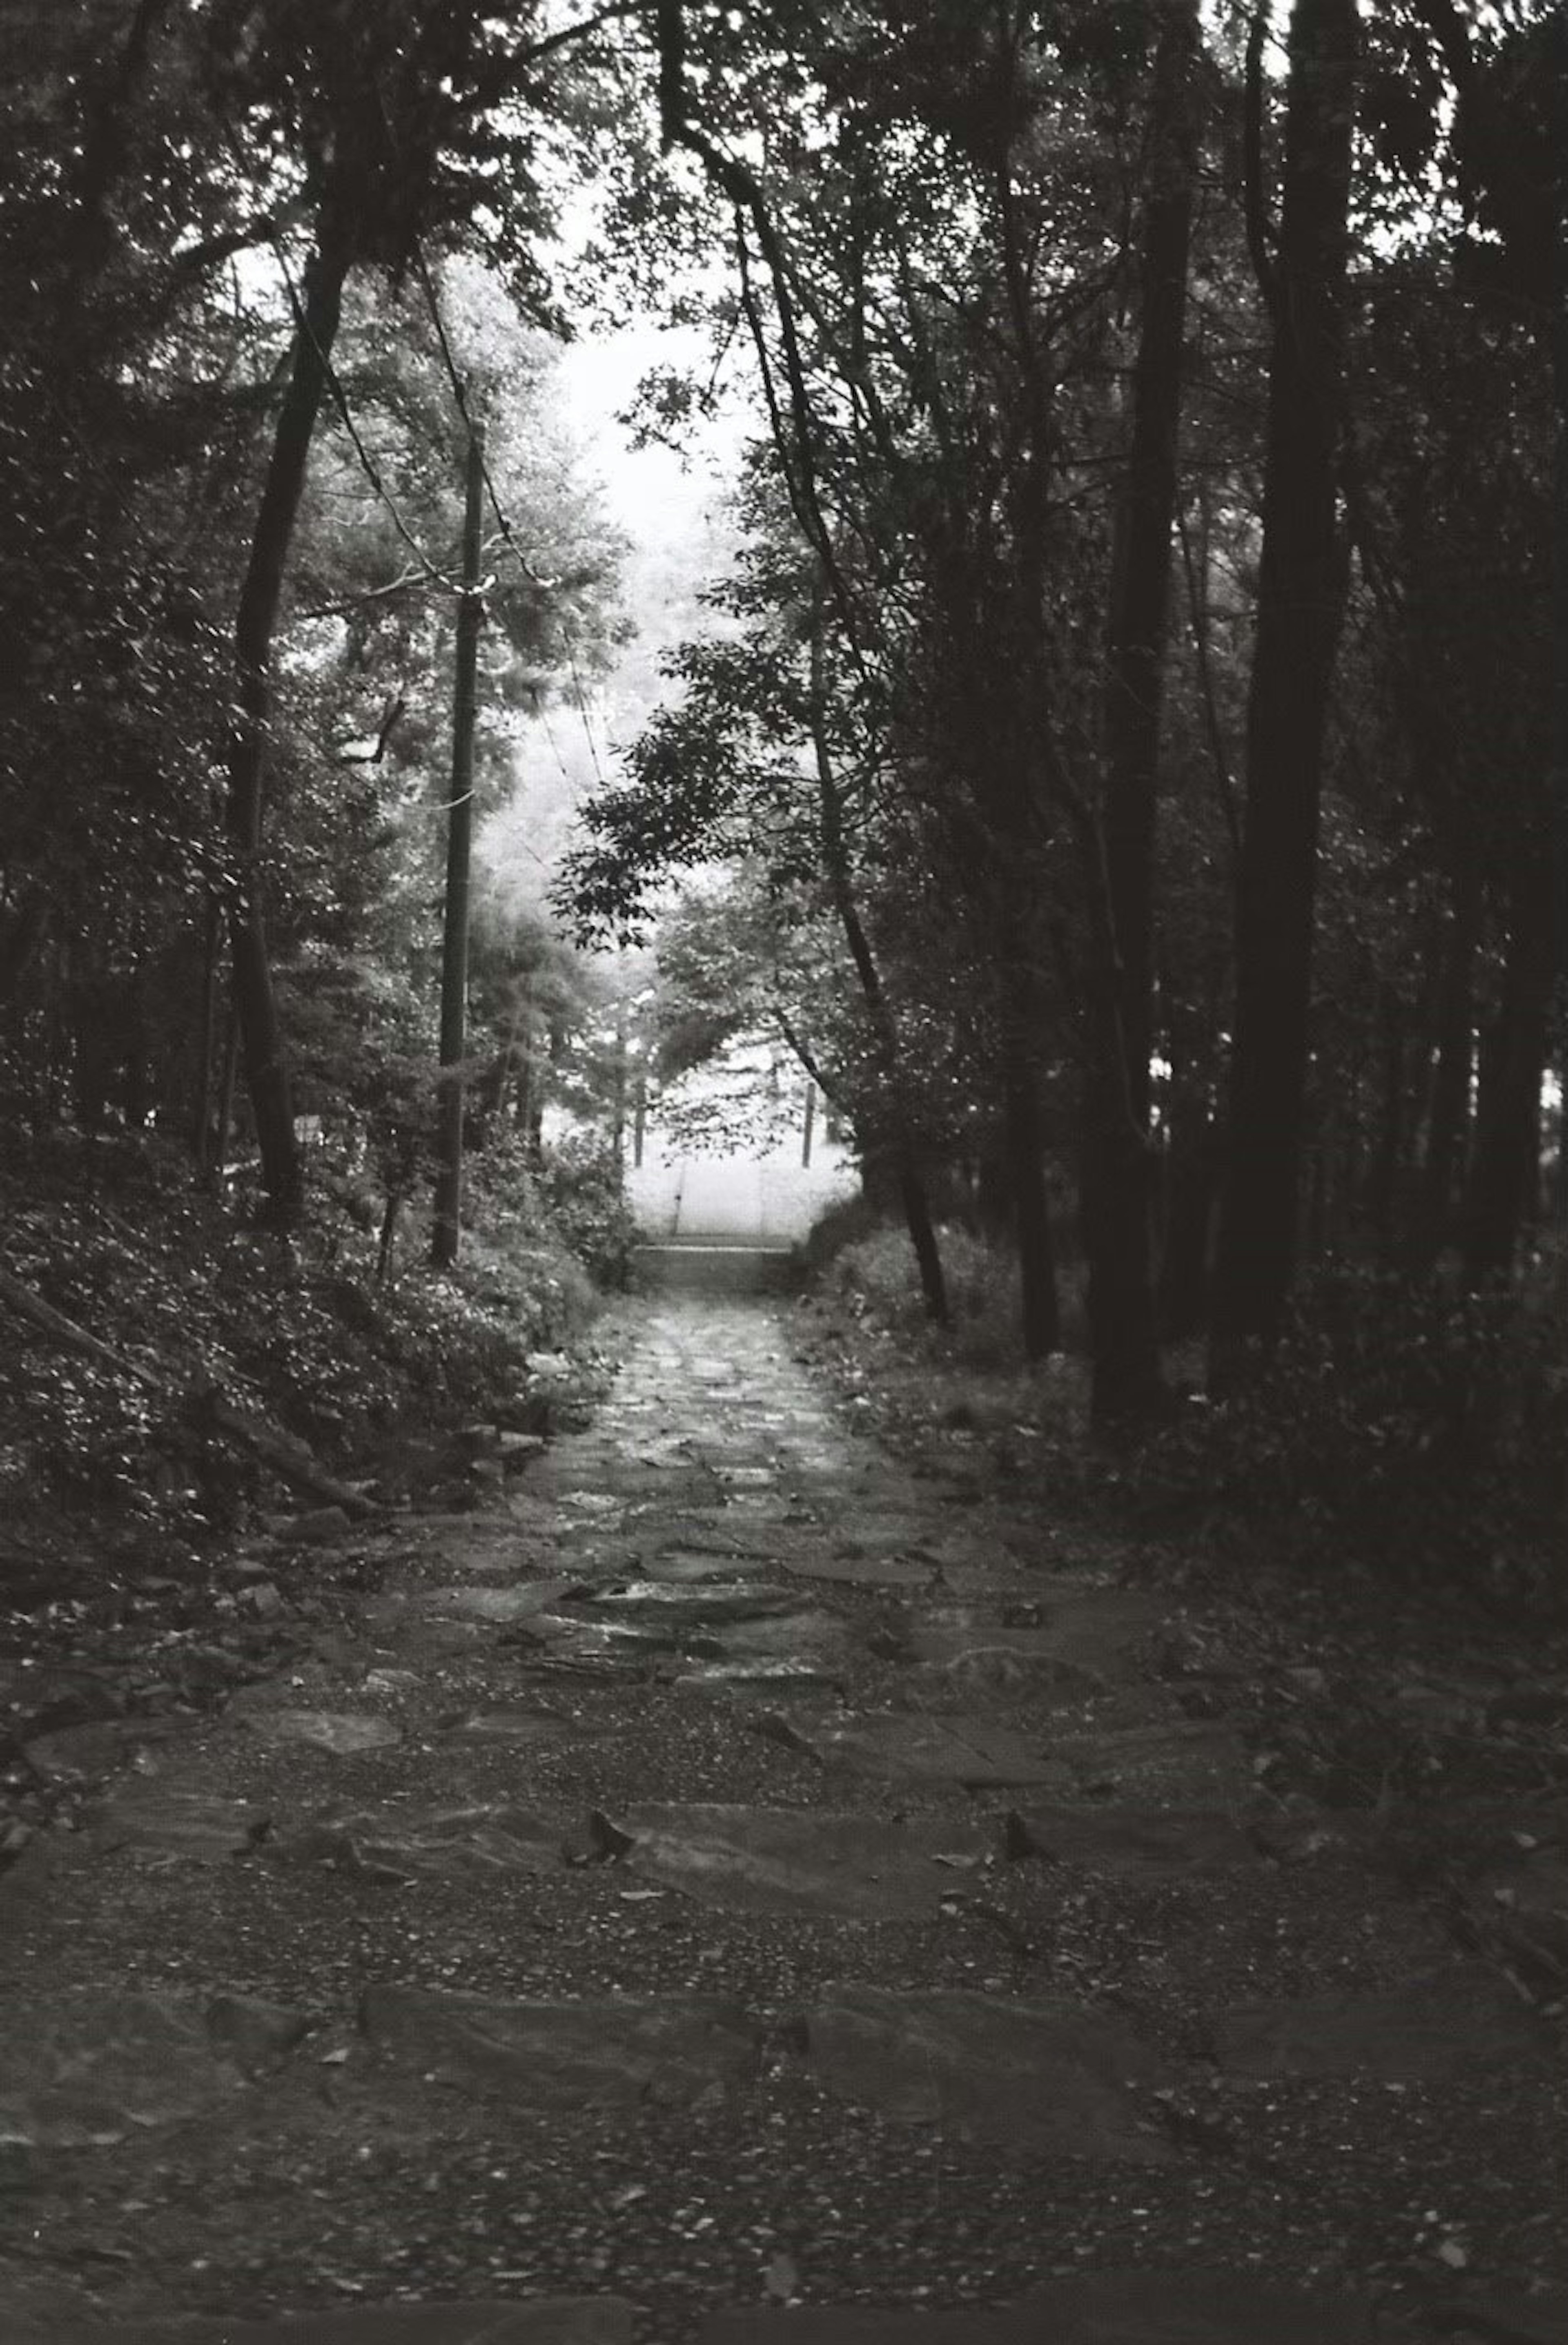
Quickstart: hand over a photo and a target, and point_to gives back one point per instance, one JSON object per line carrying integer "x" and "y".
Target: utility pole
{"x": 448, "y": 1230}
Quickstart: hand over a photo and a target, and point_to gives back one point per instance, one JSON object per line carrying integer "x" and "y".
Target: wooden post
{"x": 447, "y": 1232}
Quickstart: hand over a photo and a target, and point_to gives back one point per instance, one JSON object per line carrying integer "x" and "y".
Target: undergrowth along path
{"x": 739, "y": 1885}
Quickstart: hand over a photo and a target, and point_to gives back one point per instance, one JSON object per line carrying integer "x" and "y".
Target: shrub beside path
{"x": 738, "y": 1886}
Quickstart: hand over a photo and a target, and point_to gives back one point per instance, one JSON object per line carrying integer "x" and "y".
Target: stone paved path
{"x": 737, "y": 1888}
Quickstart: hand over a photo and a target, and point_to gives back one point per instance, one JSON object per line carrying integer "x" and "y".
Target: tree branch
{"x": 1255, "y": 202}
{"x": 202, "y": 1400}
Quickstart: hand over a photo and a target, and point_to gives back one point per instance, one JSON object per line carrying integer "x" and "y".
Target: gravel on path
{"x": 736, "y": 1886}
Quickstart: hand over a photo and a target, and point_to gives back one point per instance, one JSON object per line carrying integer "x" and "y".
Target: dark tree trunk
{"x": 1118, "y": 1163}
{"x": 135, "y": 1083}
{"x": 1448, "y": 1117}
{"x": 1502, "y": 1195}
{"x": 1024, "y": 1140}
{"x": 223, "y": 1125}
{"x": 388, "y": 1238}
{"x": 523, "y": 1109}
{"x": 446, "y": 1220}
{"x": 1321, "y": 1186}
{"x": 201, "y": 1141}
{"x": 993, "y": 1200}
{"x": 1300, "y": 600}
{"x": 1384, "y": 1181}
{"x": 912, "y": 1193}
{"x": 1191, "y": 1178}
{"x": 22, "y": 932}
{"x": 620, "y": 1092}
{"x": 265, "y": 1068}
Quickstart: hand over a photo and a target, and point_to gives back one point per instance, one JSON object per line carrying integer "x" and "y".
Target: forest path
{"x": 736, "y": 1873}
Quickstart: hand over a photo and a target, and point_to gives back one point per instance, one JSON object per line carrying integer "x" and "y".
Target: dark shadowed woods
{"x": 1103, "y": 746}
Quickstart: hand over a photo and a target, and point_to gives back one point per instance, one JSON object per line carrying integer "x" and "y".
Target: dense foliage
{"x": 1119, "y": 763}
{"x": 1130, "y": 722}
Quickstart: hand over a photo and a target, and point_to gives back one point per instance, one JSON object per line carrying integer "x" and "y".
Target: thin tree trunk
{"x": 224, "y": 1123}
{"x": 388, "y": 1237}
{"x": 1383, "y": 1181}
{"x": 1183, "y": 1292}
{"x": 1300, "y": 600}
{"x": 1448, "y": 1120}
{"x": 1501, "y": 1194}
{"x": 619, "y": 1090}
{"x": 19, "y": 942}
{"x": 1117, "y": 1160}
{"x": 266, "y": 1072}
{"x": 206, "y": 1045}
{"x": 447, "y": 1229}
{"x": 1040, "y": 1312}
{"x": 912, "y": 1192}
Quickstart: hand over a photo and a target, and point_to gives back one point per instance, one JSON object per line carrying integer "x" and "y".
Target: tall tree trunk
{"x": 1383, "y": 1184}
{"x": 205, "y": 1042}
{"x": 1300, "y": 600}
{"x": 1183, "y": 1291}
{"x": 620, "y": 1092}
{"x": 1504, "y": 1174}
{"x": 20, "y": 938}
{"x": 265, "y": 1068}
{"x": 1025, "y": 1143}
{"x": 913, "y": 1196}
{"x": 1116, "y": 1159}
{"x": 446, "y": 1234}
{"x": 1448, "y": 1118}
{"x": 224, "y": 1123}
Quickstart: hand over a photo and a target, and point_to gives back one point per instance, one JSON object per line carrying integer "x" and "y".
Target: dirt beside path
{"x": 736, "y": 1886}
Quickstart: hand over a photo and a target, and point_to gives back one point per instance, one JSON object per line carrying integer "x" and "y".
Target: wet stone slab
{"x": 90, "y": 2067}
{"x": 762, "y": 1678}
{"x": 177, "y": 1818}
{"x": 597, "y": 2051}
{"x": 1017, "y": 1668}
{"x": 1174, "y": 1761}
{"x": 1109, "y": 2307}
{"x": 802, "y": 1860}
{"x": 343, "y": 1732}
{"x": 450, "y": 1841}
{"x": 686, "y": 1568}
{"x": 675, "y": 1605}
{"x": 861, "y": 1570}
{"x": 1041, "y": 2076}
{"x": 522, "y": 1601}
{"x": 1137, "y": 1840}
{"x": 511, "y": 1723}
{"x": 968, "y": 1752}
{"x": 1447, "y": 2024}
{"x": 81, "y": 1754}
{"x": 539, "y": 2321}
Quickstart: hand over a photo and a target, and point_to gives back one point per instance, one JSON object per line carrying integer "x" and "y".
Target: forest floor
{"x": 768, "y": 1871}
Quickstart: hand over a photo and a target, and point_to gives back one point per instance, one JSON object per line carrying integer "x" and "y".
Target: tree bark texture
{"x": 1117, "y": 1160}
{"x": 1300, "y": 600}
{"x": 1501, "y": 1194}
{"x": 256, "y": 1000}
{"x": 1182, "y": 1295}
{"x": 913, "y": 1196}
{"x": 1025, "y": 1141}
{"x": 446, "y": 1234}
{"x": 1448, "y": 1115}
